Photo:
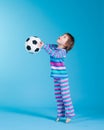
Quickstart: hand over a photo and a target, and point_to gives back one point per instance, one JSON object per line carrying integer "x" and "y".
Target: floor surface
{"x": 44, "y": 119}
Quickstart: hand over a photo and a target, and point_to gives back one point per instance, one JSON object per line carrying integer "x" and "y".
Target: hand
{"x": 41, "y": 44}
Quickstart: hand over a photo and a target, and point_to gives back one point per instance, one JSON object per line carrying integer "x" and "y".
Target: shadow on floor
{"x": 49, "y": 113}
{"x": 40, "y": 113}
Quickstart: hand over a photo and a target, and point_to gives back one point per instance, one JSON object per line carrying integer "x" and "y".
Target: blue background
{"x": 25, "y": 81}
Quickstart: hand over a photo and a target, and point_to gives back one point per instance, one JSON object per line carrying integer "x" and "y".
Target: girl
{"x": 58, "y": 72}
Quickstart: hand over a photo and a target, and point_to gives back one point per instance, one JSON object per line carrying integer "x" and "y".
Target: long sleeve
{"x": 57, "y": 53}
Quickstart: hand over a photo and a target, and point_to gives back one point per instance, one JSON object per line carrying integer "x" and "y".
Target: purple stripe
{"x": 57, "y": 89}
{"x": 61, "y": 115}
{"x": 61, "y": 109}
{"x": 58, "y": 93}
{"x": 59, "y": 100}
{"x": 57, "y": 64}
{"x": 60, "y": 104}
{"x": 55, "y": 80}
{"x": 57, "y": 84}
{"x": 58, "y": 96}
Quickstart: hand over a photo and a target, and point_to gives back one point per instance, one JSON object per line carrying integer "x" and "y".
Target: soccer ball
{"x": 33, "y": 44}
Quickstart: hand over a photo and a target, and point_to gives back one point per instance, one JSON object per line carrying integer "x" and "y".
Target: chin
{"x": 57, "y": 40}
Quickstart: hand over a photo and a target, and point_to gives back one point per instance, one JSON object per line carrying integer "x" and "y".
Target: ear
{"x": 71, "y": 43}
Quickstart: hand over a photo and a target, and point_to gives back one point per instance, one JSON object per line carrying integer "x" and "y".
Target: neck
{"x": 60, "y": 46}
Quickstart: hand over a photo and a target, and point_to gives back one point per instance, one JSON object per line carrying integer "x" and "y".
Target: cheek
{"x": 63, "y": 42}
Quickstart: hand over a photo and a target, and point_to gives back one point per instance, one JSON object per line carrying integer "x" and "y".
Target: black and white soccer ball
{"x": 33, "y": 44}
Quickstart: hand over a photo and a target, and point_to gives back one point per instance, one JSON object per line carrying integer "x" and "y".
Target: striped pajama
{"x": 62, "y": 95}
{"x": 61, "y": 85}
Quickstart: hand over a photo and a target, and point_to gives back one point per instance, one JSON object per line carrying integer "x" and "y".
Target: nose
{"x": 28, "y": 47}
{"x": 60, "y": 37}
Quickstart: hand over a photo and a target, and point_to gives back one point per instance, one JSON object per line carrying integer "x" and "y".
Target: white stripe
{"x": 62, "y": 80}
{"x": 58, "y": 68}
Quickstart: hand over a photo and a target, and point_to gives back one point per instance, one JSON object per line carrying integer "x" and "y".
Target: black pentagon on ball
{"x": 28, "y": 47}
{"x": 27, "y": 39}
{"x": 34, "y": 42}
{"x": 37, "y": 49}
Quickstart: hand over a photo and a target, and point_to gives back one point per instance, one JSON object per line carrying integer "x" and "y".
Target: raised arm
{"x": 58, "y": 53}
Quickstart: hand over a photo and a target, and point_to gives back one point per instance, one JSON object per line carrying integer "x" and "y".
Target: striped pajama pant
{"x": 63, "y": 99}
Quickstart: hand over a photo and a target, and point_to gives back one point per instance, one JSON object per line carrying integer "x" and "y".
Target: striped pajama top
{"x": 57, "y": 55}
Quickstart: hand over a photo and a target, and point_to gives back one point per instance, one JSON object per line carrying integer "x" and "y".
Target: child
{"x": 58, "y": 72}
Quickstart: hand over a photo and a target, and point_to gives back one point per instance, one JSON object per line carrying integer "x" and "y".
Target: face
{"x": 62, "y": 39}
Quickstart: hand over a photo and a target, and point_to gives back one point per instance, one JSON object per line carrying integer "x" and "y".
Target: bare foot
{"x": 68, "y": 120}
{"x": 58, "y": 119}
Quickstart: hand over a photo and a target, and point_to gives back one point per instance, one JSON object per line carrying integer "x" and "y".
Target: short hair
{"x": 70, "y": 42}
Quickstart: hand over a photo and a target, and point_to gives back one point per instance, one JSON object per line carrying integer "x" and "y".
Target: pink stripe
{"x": 64, "y": 85}
{"x": 65, "y": 92}
{"x": 69, "y": 113}
{"x": 65, "y": 89}
{"x": 68, "y": 104}
{"x": 66, "y": 80}
{"x": 66, "y": 97}
{"x": 69, "y": 108}
{"x": 56, "y": 64}
{"x": 67, "y": 101}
